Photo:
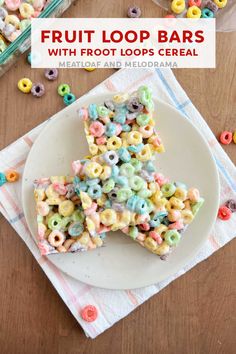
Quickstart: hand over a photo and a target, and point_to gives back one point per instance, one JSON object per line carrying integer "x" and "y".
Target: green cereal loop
{"x": 54, "y": 222}
{"x": 172, "y": 237}
{"x": 168, "y": 190}
{"x": 133, "y": 232}
{"x": 65, "y": 222}
{"x": 108, "y": 186}
{"x": 102, "y": 111}
{"x": 144, "y": 193}
{"x": 78, "y": 215}
{"x": 63, "y": 89}
{"x": 150, "y": 206}
{"x": 136, "y": 164}
{"x": 124, "y": 194}
{"x": 126, "y": 169}
{"x": 136, "y": 183}
{"x": 196, "y": 206}
{"x": 142, "y": 120}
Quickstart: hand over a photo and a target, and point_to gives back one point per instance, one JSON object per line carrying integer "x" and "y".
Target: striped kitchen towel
{"x": 115, "y": 304}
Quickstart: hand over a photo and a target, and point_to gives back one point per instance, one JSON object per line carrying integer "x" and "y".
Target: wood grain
{"x": 196, "y": 313}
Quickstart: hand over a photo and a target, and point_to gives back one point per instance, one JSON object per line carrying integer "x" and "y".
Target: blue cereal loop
{"x": 149, "y": 166}
{"x": 126, "y": 128}
{"x": 2, "y": 179}
{"x": 110, "y": 129}
{"x": 141, "y": 206}
{"x": 92, "y": 182}
{"x": 92, "y": 110}
{"x": 136, "y": 148}
{"x": 95, "y": 191}
{"x": 131, "y": 203}
{"x": 120, "y": 117}
{"x": 122, "y": 181}
{"x": 124, "y": 155}
{"x": 115, "y": 171}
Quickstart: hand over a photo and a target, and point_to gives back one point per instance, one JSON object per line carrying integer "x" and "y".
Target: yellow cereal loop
{"x": 187, "y": 216}
{"x": 121, "y": 98}
{"x": 53, "y": 201}
{"x": 180, "y": 193}
{"x": 93, "y": 149}
{"x": 145, "y": 154}
{"x": 90, "y": 225}
{"x": 151, "y": 122}
{"x": 50, "y": 192}
{"x": 153, "y": 187}
{"x": 134, "y": 138}
{"x": 58, "y": 179}
{"x": 178, "y": 6}
{"x": 125, "y": 217}
{"x": 161, "y": 229}
{"x": 66, "y": 208}
{"x": 90, "y": 139}
{"x": 102, "y": 200}
{"x": 108, "y": 217}
{"x": 92, "y": 169}
{"x": 176, "y": 203}
{"x": 106, "y": 173}
{"x": 97, "y": 241}
{"x": 150, "y": 244}
{"x": 125, "y": 143}
{"x": 25, "y": 85}
{"x": 39, "y": 195}
{"x": 114, "y": 143}
{"x": 220, "y": 3}
{"x": 102, "y": 148}
{"x": 194, "y": 12}
{"x": 85, "y": 200}
{"x": 84, "y": 239}
{"x": 163, "y": 249}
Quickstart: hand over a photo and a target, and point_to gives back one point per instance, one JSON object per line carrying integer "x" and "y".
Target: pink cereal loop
{"x": 101, "y": 140}
{"x": 103, "y": 228}
{"x": 59, "y": 188}
{"x": 125, "y": 230}
{"x": 91, "y": 210}
{"x": 12, "y": 5}
{"x": 156, "y": 237}
{"x": 141, "y": 237}
{"x": 194, "y": 194}
{"x": 159, "y": 178}
{"x": 105, "y": 120}
{"x": 76, "y": 167}
{"x": 178, "y": 225}
{"x": 97, "y": 129}
{"x": 145, "y": 226}
{"x": 41, "y": 231}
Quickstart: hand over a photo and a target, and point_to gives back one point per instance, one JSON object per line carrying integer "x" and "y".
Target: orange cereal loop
{"x": 12, "y": 176}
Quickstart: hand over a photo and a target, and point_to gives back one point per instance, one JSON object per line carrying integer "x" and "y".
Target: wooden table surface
{"x": 194, "y": 314}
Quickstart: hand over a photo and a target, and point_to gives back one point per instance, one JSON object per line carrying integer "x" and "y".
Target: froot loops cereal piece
{"x": 12, "y": 5}
{"x": 178, "y": 6}
{"x": 224, "y": 213}
{"x": 226, "y": 137}
{"x": 134, "y": 12}
{"x": 207, "y": 13}
{"x": 231, "y": 204}
{"x": 38, "y": 90}
{"x": 26, "y": 10}
{"x": 221, "y": 3}
{"x": 194, "y": 3}
{"x": 89, "y": 313}
{"x": 51, "y": 75}
{"x": 194, "y": 12}
{"x": 62, "y": 224}
{"x": 2, "y": 179}
{"x": 89, "y": 69}
{"x": 69, "y": 98}
{"x": 12, "y": 176}
{"x": 63, "y": 89}
{"x": 234, "y": 137}
{"x": 25, "y": 85}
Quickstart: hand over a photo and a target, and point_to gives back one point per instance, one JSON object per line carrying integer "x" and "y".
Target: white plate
{"x": 123, "y": 264}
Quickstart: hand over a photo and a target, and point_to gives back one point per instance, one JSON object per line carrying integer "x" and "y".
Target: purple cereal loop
{"x": 211, "y": 6}
{"x": 118, "y": 207}
{"x": 134, "y": 105}
{"x": 149, "y": 177}
{"x": 51, "y": 74}
{"x": 8, "y": 30}
{"x": 70, "y": 191}
{"x": 38, "y": 90}
{"x": 134, "y": 12}
{"x": 109, "y": 104}
{"x": 3, "y": 13}
{"x": 231, "y": 204}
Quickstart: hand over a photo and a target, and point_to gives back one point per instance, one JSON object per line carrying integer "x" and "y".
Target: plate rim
{"x": 191, "y": 254}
